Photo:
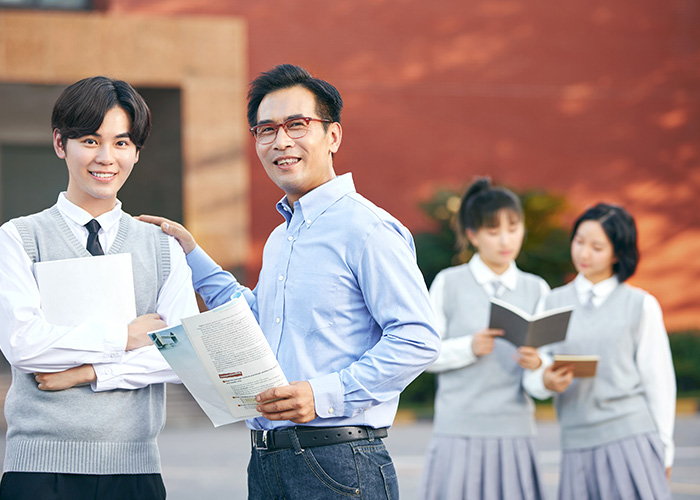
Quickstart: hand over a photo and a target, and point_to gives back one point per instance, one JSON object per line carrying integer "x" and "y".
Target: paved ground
{"x": 204, "y": 463}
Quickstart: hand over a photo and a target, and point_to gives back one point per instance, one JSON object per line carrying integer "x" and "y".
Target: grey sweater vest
{"x": 78, "y": 431}
{"x": 610, "y": 406}
{"x": 484, "y": 399}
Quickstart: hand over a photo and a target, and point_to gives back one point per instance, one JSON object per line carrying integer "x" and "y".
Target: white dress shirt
{"x": 457, "y": 352}
{"x": 33, "y": 345}
{"x": 653, "y": 360}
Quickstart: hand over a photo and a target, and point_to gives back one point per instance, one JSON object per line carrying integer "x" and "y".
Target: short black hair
{"x": 329, "y": 104}
{"x": 81, "y": 108}
{"x": 480, "y": 206}
{"x": 621, "y": 230}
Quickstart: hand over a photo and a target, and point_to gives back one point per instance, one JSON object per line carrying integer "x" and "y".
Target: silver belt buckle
{"x": 264, "y": 442}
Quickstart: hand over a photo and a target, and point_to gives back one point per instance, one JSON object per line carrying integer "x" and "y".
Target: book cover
{"x": 584, "y": 366}
{"x": 534, "y": 330}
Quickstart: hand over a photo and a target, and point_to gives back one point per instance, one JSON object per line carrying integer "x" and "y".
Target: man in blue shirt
{"x": 340, "y": 299}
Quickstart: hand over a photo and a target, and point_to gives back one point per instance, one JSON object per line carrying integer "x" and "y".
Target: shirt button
{"x": 281, "y": 278}
{"x": 330, "y": 410}
{"x": 308, "y": 221}
{"x": 290, "y": 238}
{"x": 277, "y": 320}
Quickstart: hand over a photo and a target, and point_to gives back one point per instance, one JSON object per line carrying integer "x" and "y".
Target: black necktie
{"x": 93, "y": 244}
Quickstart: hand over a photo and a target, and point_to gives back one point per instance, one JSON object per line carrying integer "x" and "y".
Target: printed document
{"x": 223, "y": 359}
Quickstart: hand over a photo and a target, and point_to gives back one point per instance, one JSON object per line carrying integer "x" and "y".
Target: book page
{"x": 100, "y": 288}
{"x": 234, "y": 356}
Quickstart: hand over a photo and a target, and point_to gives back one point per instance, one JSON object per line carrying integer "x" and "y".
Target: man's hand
{"x": 528, "y": 358}
{"x": 558, "y": 380}
{"x": 293, "y": 402}
{"x": 139, "y": 328}
{"x": 178, "y": 231}
{"x": 80, "y": 375}
{"x": 482, "y": 341}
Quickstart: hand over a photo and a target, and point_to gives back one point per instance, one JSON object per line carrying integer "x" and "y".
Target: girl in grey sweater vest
{"x": 616, "y": 427}
{"x": 482, "y": 444}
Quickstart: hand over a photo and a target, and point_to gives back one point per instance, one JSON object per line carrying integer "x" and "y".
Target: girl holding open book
{"x": 617, "y": 426}
{"x": 482, "y": 445}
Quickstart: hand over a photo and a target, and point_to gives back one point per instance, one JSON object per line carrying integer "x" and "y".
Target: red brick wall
{"x": 598, "y": 100}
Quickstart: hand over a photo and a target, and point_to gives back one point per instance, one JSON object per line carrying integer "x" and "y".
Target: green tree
{"x": 545, "y": 251}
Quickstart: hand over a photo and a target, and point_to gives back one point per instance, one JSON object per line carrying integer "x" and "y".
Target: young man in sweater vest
{"x": 87, "y": 402}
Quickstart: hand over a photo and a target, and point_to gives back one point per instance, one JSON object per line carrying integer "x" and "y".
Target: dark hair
{"x": 81, "y": 108}
{"x": 329, "y": 104}
{"x": 480, "y": 206}
{"x": 621, "y": 230}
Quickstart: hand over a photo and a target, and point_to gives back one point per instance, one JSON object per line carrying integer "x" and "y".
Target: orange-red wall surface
{"x": 595, "y": 100}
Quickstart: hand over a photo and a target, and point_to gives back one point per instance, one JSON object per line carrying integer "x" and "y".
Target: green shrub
{"x": 545, "y": 250}
{"x": 685, "y": 347}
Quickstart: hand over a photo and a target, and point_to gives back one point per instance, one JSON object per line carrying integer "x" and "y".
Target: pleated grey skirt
{"x": 460, "y": 468}
{"x": 632, "y": 468}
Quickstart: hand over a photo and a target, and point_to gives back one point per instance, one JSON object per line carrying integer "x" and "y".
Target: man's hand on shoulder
{"x": 293, "y": 402}
{"x": 174, "y": 229}
{"x": 59, "y": 381}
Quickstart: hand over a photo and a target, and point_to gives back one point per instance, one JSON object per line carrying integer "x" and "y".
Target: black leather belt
{"x": 312, "y": 436}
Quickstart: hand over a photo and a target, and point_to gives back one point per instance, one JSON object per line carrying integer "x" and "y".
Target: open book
{"x": 223, "y": 359}
{"x": 584, "y": 366}
{"x": 534, "y": 330}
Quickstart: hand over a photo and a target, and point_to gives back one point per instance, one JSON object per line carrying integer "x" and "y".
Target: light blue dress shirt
{"x": 342, "y": 303}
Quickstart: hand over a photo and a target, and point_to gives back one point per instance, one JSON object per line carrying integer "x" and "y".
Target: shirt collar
{"x": 601, "y": 290}
{"x": 483, "y": 274}
{"x": 317, "y": 201}
{"x": 81, "y": 217}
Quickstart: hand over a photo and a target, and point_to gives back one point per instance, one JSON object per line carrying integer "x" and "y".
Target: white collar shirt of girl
{"x": 485, "y": 277}
{"x": 601, "y": 291}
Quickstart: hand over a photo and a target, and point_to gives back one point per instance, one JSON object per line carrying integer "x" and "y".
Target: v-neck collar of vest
{"x": 70, "y": 238}
{"x": 600, "y": 307}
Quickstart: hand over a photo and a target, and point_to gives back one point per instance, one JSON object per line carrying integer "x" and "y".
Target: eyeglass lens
{"x": 295, "y": 128}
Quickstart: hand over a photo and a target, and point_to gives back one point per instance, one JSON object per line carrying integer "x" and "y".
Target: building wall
{"x": 205, "y": 58}
{"x": 596, "y": 100}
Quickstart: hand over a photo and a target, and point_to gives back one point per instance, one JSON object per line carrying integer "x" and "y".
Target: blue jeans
{"x": 359, "y": 469}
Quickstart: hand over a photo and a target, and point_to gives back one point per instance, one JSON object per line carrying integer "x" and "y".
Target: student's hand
{"x": 558, "y": 380}
{"x": 174, "y": 229}
{"x": 482, "y": 341}
{"x": 80, "y": 375}
{"x": 668, "y": 475}
{"x": 139, "y": 328}
{"x": 293, "y": 402}
{"x": 528, "y": 358}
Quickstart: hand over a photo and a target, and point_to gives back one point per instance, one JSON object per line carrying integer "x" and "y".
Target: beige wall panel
{"x": 205, "y": 57}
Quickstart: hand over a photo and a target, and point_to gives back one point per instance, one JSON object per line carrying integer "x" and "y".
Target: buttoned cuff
{"x": 108, "y": 377}
{"x": 328, "y": 395}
